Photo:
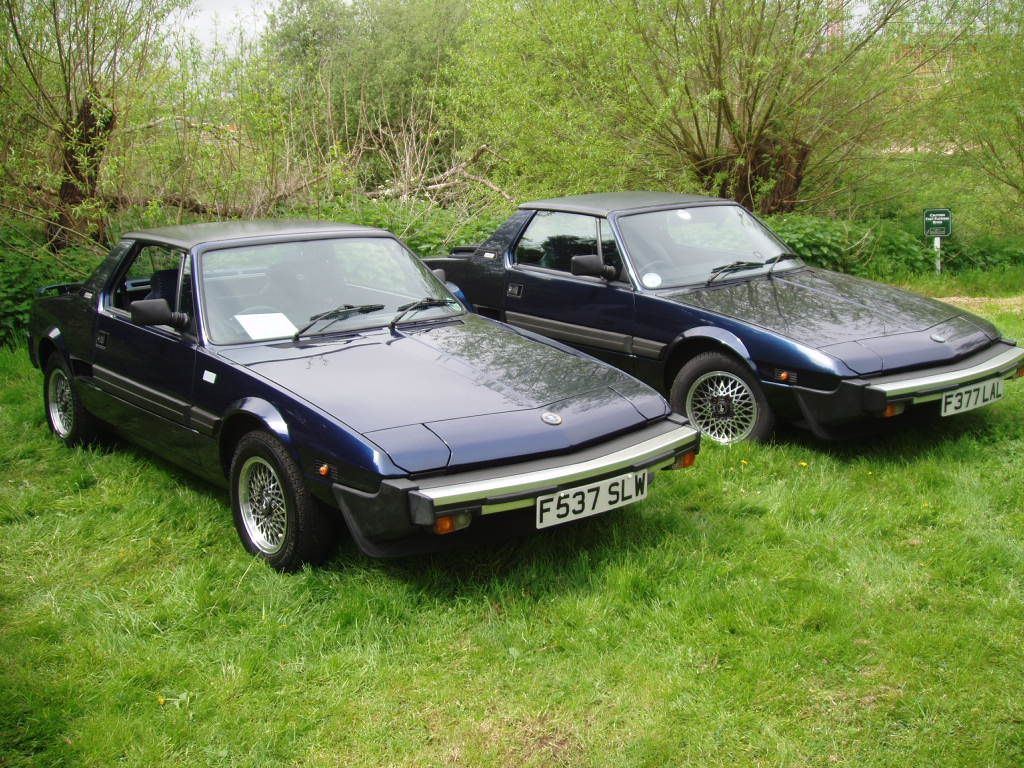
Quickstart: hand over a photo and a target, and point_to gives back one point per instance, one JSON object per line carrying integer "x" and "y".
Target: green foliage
{"x": 740, "y": 100}
{"x": 19, "y": 279}
{"x": 990, "y": 90}
{"x": 983, "y": 253}
{"x": 25, "y": 266}
{"x": 874, "y": 249}
{"x": 428, "y": 229}
{"x": 883, "y": 250}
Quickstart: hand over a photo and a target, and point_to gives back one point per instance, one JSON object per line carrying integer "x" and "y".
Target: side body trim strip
{"x": 581, "y": 334}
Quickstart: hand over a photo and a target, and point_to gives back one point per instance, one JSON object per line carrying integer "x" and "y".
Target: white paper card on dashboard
{"x": 271, "y": 325}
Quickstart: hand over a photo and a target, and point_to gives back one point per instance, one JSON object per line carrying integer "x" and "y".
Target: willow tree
{"x": 744, "y": 100}
{"x": 986, "y": 83}
{"x": 68, "y": 69}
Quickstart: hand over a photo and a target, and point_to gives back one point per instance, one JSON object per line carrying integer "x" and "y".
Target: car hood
{"x": 459, "y": 392}
{"x": 872, "y": 327}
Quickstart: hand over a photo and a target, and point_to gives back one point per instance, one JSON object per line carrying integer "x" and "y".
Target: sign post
{"x": 938, "y": 223}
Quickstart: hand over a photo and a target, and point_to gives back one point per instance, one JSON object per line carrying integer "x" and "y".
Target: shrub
{"x": 26, "y": 266}
{"x": 874, "y": 249}
{"x": 428, "y": 229}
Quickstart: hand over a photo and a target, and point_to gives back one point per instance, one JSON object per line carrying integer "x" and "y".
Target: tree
{"x": 69, "y": 69}
{"x": 987, "y": 84}
{"x": 370, "y": 67}
{"x": 744, "y": 100}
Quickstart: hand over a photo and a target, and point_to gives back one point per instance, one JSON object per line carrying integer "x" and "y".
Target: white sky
{"x": 210, "y": 19}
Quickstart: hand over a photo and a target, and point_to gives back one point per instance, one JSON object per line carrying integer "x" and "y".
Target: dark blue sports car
{"x": 321, "y": 370}
{"x": 699, "y": 299}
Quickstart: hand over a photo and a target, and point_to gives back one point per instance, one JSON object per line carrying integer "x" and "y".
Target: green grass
{"x": 796, "y": 604}
{"x": 1002, "y": 282}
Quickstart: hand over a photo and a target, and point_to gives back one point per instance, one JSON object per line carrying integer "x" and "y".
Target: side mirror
{"x": 440, "y": 275}
{"x": 156, "y": 312}
{"x": 590, "y": 265}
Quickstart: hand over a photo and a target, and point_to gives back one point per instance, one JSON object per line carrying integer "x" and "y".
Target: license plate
{"x": 972, "y": 396}
{"x": 592, "y": 499}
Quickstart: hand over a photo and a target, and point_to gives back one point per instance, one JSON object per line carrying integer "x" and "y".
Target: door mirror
{"x": 440, "y": 275}
{"x": 590, "y": 265}
{"x": 156, "y": 312}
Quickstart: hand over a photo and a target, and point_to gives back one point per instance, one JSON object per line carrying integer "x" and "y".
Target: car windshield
{"x": 684, "y": 246}
{"x": 274, "y": 290}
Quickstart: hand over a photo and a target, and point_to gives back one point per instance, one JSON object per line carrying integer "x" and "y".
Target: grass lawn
{"x": 1006, "y": 283}
{"x": 795, "y": 604}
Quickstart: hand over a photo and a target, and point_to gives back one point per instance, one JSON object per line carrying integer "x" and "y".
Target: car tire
{"x": 722, "y": 398}
{"x": 276, "y": 516}
{"x": 65, "y": 414}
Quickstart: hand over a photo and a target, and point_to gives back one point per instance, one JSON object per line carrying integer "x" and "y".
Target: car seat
{"x": 163, "y": 284}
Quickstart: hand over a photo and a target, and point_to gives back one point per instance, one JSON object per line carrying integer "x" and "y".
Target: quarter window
{"x": 154, "y": 273}
{"x": 553, "y": 238}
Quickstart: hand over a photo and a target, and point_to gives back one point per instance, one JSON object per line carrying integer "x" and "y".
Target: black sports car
{"x": 699, "y": 299}
{"x": 324, "y": 374}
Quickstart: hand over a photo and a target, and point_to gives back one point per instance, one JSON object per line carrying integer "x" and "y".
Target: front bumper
{"x": 871, "y": 396}
{"x": 928, "y": 385}
{"x": 399, "y": 518}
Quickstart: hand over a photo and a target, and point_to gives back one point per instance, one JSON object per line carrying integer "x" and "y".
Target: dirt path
{"x": 1007, "y": 303}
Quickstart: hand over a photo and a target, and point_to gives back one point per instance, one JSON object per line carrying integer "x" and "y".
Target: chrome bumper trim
{"x": 641, "y": 454}
{"x": 930, "y": 387}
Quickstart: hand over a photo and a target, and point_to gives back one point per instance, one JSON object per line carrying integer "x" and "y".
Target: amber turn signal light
{"x": 893, "y": 409}
{"x": 1020, "y": 372}
{"x": 324, "y": 470}
{"x": 451, "y": 523}
{"x": 444, "y": 525}
{"x": 686, "y": 460}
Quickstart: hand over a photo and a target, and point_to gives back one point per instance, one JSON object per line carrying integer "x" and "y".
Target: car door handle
{"x": 101, "y": 340}
{"x": 515, "y": 290}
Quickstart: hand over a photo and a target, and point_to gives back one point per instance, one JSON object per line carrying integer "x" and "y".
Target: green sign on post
{"x": 938, "y": 222}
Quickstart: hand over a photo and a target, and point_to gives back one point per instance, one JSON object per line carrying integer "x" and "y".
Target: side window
{"x": 153, "y": 274}
{"x": 552, "y": 239}
{"x": 609, "y": 250}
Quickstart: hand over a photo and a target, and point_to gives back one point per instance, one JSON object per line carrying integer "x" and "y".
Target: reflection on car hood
{"x": 470, "y": 389}
{"x": 871, "y": 326}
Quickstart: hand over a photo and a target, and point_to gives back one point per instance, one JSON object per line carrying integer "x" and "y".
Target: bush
{"x": 876, "y": 249}
{"x": 983, "y": 253}
{"x": 26, "y": 266}
{"x": 428, "y": 229}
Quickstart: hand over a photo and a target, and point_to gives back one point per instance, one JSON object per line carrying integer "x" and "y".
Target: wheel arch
{"x": 246, "y": 416}
{"x": 693, "y": 342}
{"x": 50, "y": 342}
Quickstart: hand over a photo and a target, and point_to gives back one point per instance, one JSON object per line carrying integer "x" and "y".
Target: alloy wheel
{"x": 60, "y": 403}
{"x": 262, "y": 504}
{"x": 722, "y": 406}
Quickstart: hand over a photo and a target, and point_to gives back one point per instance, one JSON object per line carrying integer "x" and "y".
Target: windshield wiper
{"x": 740, "y": 266}
{"x": 338, "y": 313}
{"x": 781, "y": 257}
{"x": 414, "y": 306}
